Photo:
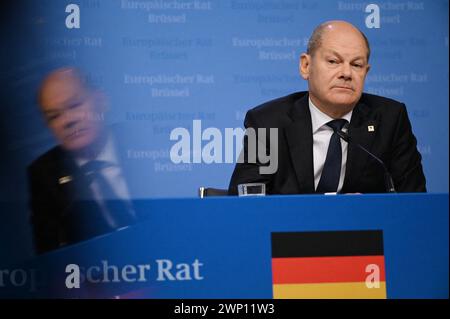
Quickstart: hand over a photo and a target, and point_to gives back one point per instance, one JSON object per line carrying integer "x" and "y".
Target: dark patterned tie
{"x": 119, "y": 212}
{"x": 331, "y": 172}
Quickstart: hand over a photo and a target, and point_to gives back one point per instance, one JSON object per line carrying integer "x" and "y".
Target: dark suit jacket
{"x": 64, "y": 213}
{"x": 392, "y": 141}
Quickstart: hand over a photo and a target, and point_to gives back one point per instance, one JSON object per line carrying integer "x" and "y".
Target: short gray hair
{"x": 316, "y": 40}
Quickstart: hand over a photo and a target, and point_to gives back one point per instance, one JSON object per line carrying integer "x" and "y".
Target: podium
{"x": 226, "y": 247}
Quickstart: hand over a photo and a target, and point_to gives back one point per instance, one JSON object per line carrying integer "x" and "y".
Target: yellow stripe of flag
{"x": 343, "y": 290}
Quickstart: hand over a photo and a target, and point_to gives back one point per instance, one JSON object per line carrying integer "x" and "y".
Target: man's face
{"x": 337, "y": 70}
{"x": 71, "y": 111}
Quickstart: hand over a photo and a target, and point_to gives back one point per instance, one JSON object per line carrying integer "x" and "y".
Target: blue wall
{"x": 230, "y": 49}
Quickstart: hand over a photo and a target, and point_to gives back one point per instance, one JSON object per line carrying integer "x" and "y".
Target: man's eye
{"x": 332, "y": 61}
{"x": 52, "y": 117}
{"x": 74, "y": 105}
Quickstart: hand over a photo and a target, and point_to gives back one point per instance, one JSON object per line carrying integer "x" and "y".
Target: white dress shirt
{"x": 321, "y": 139}
{"x": 112, "y": 173}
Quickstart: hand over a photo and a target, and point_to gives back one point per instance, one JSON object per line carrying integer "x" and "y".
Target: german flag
{"x": 328, "y": 265}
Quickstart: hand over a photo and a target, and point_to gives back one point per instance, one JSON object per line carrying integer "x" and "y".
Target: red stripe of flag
{"x": 324, "y": 269}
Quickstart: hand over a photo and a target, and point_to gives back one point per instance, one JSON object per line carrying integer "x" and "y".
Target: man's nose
{"x": 346, "y": 72}
{"x": 70, "y": 119}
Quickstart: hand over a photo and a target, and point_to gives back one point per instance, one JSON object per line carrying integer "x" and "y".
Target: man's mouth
{"x": 343, "y": 87}
{"x": 76, "y": 133}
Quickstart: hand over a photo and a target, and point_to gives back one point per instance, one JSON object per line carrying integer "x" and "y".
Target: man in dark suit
{"x": 311, "y": 155}
{"x": 78, "y": 189}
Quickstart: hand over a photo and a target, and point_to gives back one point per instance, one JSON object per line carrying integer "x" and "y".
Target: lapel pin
{"x": 371, "y": 128}
{"x": 64, "y": 179}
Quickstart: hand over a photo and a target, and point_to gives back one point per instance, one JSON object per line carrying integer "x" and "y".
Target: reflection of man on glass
{"x": 78, "y": 189}
{"x": 312, "y": 157}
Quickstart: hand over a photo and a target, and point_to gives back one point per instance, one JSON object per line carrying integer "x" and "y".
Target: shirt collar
{"x": 107, "y": 154}
{"x": 319, "y": 119}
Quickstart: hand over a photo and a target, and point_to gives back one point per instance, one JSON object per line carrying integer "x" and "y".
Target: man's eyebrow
{"x": 51, "y": 111}
{"x": 63, "y": 104}
{"x": 332, "y": 52}
{"x": 340, "y": 56}
{"x": 359, "y": 58}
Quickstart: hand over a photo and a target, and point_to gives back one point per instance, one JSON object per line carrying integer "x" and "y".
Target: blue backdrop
{"x": 163, "y": 64}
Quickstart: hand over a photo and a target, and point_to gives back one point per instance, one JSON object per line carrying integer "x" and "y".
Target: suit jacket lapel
{"x": 356, "y": 158}
{"x": 72, "y": 183}
{"x": 67, "y": 175}
{"x": 300, "y": 143}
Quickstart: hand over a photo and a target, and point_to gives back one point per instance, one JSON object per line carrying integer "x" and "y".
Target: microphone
{"x": 389, "y": 183}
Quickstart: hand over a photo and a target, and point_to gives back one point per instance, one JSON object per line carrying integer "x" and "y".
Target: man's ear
{"x": 368, "y": 69}
{"x": 305, "y": 62}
